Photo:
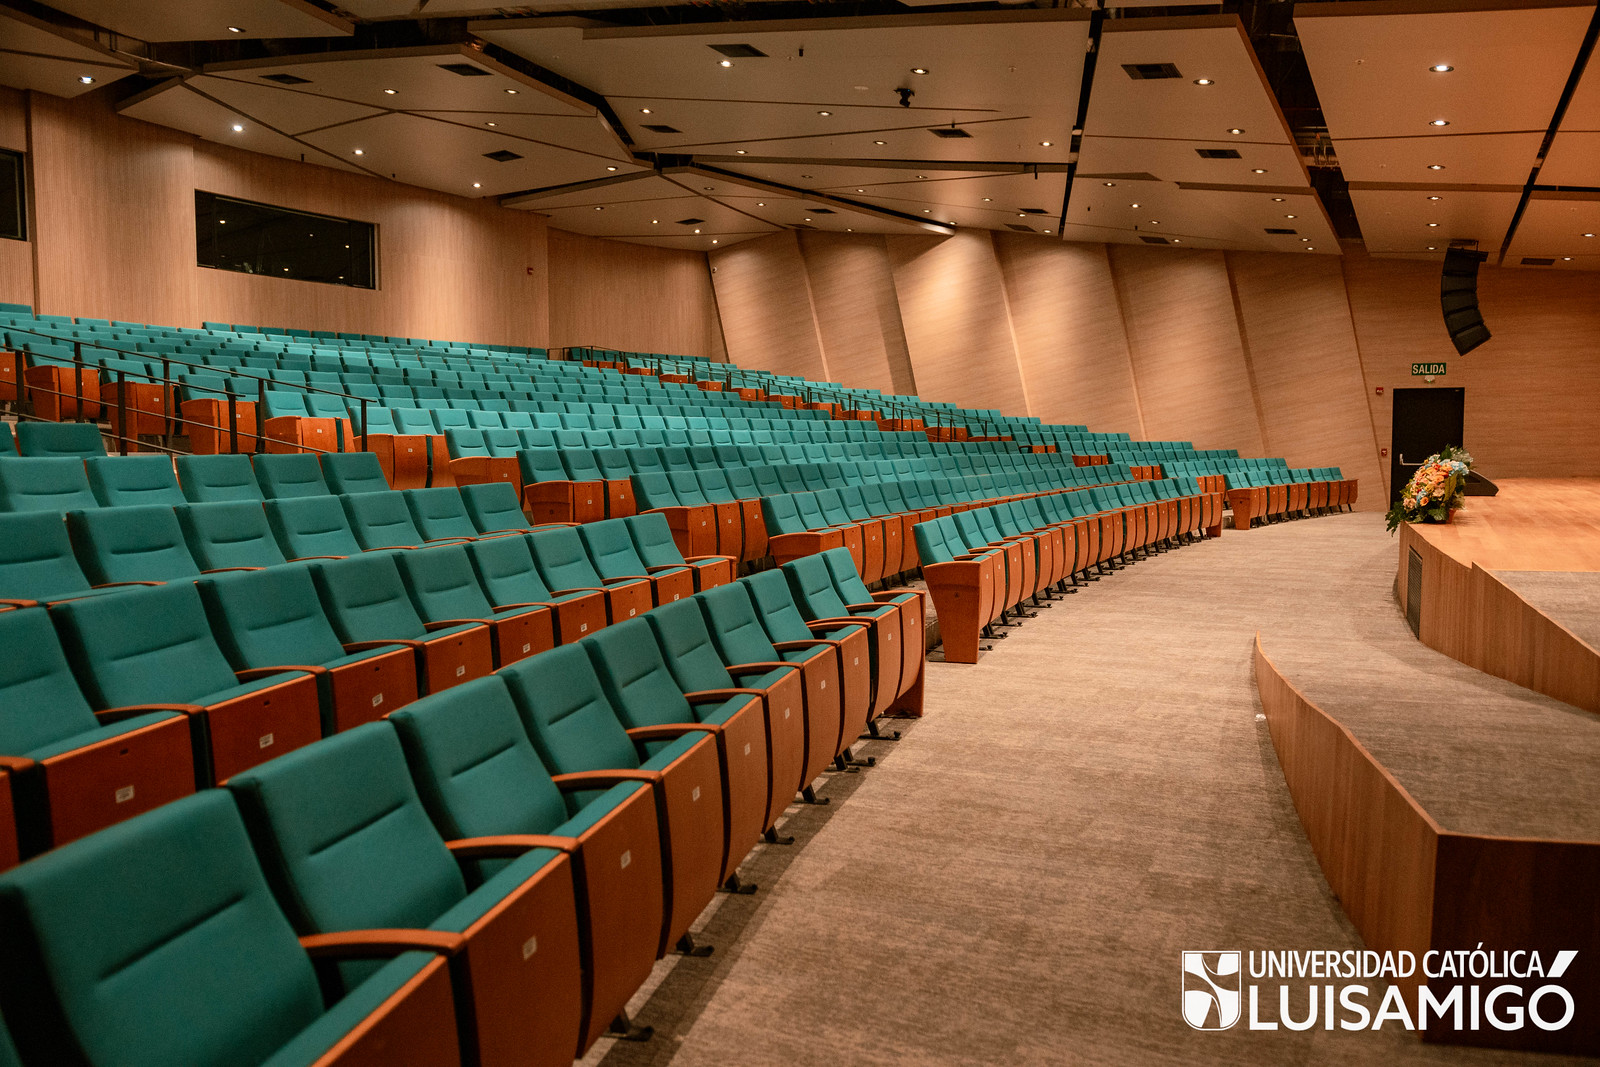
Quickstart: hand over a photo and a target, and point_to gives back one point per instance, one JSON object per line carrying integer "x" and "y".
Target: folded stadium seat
{"x": 473, "y": 461}
{"x": 1017, "y": 576}
{"x": 788, "y": 535}
{"x": 478, "y": 776}
{"x": 228, "y": 535}
{"x": 1040, "y": 514}
{"x": 550, "y": 495}
{"x": 911, "y": 604}
{"x": 896, "y": 526}
{"x": 1048, "y": 545}
{"x": 37, "y": 564}
{"x": 72, "y": 770}
{"x": 180, "y": 909}
{"x": 56, "y": 439}
{"x": 44, "y": 484}
{"x": 441, "y": 514}
{"x": 818, "y": 600}
{"x": 272, "y": 620}
{"x": 1074, "y": 507}
{"x": 366, "y": 601}
{"x": 292, "y": 425}
{"x": 616, "y": 468}
{"x": 210, "y": 478}
{"x": 809, "y": 506}
{"x": 658, "y": 551}
{"x": 286, "y": 475}
{"x": 383, "y": 521}
{"x": 353, "y": 472}
{"x": 968, "y": 587}
{"x": 312, "y": 527}
{"x": 611, "y": 550}
{"x": 133, "y": 480}
{"x": 347, "y": 844}
{"x": 493, "y": 508}
{"x": 853, "y": 507}
{"x": 444, "y": 589}
{"x": 133, "y": 544}
{"x": 712, "y": 485}
{"x": 403, "y": 449}
{"x": 653, "y": 707}
{"x": 739, "y": 639}
{"x": 693, "y": 523}
{"x": 578, "y": 735}
{"x": 153, "y": 649}
{"x": 564, "y": 564}
{"x": 616, "y": 496}
{"x": 742, "y": 483}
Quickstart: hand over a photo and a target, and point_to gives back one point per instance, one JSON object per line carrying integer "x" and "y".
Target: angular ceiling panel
{"x": 1562, "y": 227}
{"x": 1421, "y": 219}
{"x": 207, "y": 20}
{"x": 1126, "y": 211}
{"x": 181, "y": 107}
{"x": 36, "y": 55}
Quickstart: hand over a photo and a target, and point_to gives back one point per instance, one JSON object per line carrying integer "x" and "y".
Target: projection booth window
{"x": 261, "y": 239}
{"x": 13, "y": 209}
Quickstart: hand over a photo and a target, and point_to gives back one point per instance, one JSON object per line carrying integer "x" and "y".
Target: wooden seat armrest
{"x": 528, "y": 604}
{"x": 225, "y": 570}
{"x": 875, "y": 603}
{"x": 119, "y": 585}
{"x": 133, "y": 711}
{"x": 377, "y": 944}
{"x": 667, "y": 567}
{"x": 848, "y": 618}
{"x": 625, "y": 579}
{"x": 17, "y": 764}
{"x": 831, "y": 624}
{"x": 784, "y": 646}
{"x": 302, "y": 559}
{"x": 20, "y": 603}
{"x": 508, "y": 846}
{"x": 697, "y": 559}
{"x": 250, "y": 674}
{"x": 444, "y": 624}
{"x": 758, "y": 666}
{"x": 578, "y": 589}
{"x": 453, "y": 539}
{"x": 367, "y": 646}
{"x": 712, "y": 696}
{"x": 603, "y": 779}
{"x": 671, "y": 731}
{"x": 888, "y": 594}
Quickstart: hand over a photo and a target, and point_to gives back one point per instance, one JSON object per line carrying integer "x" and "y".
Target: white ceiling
{"x": 1510, "y": 60}
{"x": 1553, "y": 226}
{"x": 36, "y": 55}
{"x": 207, "y": 20}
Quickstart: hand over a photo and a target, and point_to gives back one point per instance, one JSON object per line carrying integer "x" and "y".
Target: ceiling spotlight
{"x": 1133, "y": 205}
{"x": 1022, "y": 214}
{"x": 511, "y": 92}
{"x": 1236, "y": 132}
{"x": 1109, "y": 185}
{"x": 1257, "y": 170}
{"x": 880, "y": 142}
{"x": 1566, "y": 259}
{"x": 724, "y": 63}
{"x": 860, "y": 190}
{"x": 1441, "y": 68}
{"x": 1175, "y": 240}
{"x": 1432, "y": 225}
{"x": 645, "y": 111}
{"x": 1588, "y": 235}
{"x": 655, "y": 222}
{"x": 1203, "y": 81}
{"x": 713, "y": 240}
{"x": 360, "y": 152}
{"x": 697, "y": 231}
{"x": 920, "y": 176}
{"x": 1310, "y": 249}
{"x": 1305, "y": 240}
{"x": 238, "y": 127}
{"x": 602, "y": 209}
{"x": 1155, "y": 222}
{"x": 1290, "y": 216}
{"x": 1436, "y": 166}
{"x": 1046, "y": 144}
{"x": 761, "y": 203}
{"x": 848, "y": 229}
{"x": 1439, "y": 122}
{"x": 919, "y": 70}
{"x": 988, "y": 200}
{"x": 390, "y": 92}
{"x": 806, "y": 219}
{"x": 824, "y": 114}
{"x": 738, "y": 151}
{"x": 1430, "y": 248}
{"x": 1047, "y": 231}
{"x": 927, "y": 211}
{"x": 1433, "y": 198}
{"x": 477, "y": 185}
{"x": 235, "y": 29}
{"x": 1277, "y": 200}
{"x": 491, "y": 124}
{"x": 86, "y": 79}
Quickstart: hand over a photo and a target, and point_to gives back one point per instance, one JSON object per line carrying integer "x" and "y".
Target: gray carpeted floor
{"x": 1572, "y": 598}
{"x": 1016, "y": 880}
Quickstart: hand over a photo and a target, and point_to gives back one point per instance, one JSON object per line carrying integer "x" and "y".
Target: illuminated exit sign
{"x": 1419, "y": 370}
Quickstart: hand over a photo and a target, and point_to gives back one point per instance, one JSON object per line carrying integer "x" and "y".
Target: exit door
{"x": 1425, "y": 421}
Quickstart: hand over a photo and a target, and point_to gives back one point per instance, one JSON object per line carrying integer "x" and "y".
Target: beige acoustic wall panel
{"x": 630, "y": 297}
{"x": 1070, "y": 341}
{"x": 1188, "y": 356}
{"x": 958, "y": 330}
{"x": 16, "y": 257}
{"x": 1295, "y": 320}
{"x": 764, "y": 299}
{"x": 858, "y": 319}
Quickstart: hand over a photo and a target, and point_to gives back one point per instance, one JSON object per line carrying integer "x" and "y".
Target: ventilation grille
{"x": 661, "y": 127}
{"x": 1218, "y": 153}
{"x": 505, "y": 155}
{"x": 1033, "y": 210}
{"x": 739, "y": 51}
{"x": 1280, "y": 229}
{"x": 1414, "y": 592}
{"x": 821, "y": 210}
{"x": 1153, "y": 240}
{"x": 1537, "y": 261}
{"x": 1019, "y": 227}
{"x": 285, "y": 79}
{"x": 690, "y": 222}
{"x": 949, "y": 132}
{"x": 466, "y": 70}
{"x": 1141, "y": 72}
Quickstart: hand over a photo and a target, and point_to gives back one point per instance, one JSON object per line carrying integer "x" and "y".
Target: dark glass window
{"x": 261, "y": 239}
{"x": 13, "y": 210}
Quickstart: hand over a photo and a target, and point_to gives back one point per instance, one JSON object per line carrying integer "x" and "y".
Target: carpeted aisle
{"x": 1017, "y": 879}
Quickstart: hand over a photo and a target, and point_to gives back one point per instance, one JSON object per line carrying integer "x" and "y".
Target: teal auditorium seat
{"x": 44, "y": 484}
{"x": 444, "y": 590}
{"x": 819, "y": 601}
{"x": 121, "y": 481}
{"x": 137, "y": 946}
{"x": 615, "y": 559}
{"x": 272, "y": 619}
{"x": 493, "y": 508}
{"x": 506, "y": 572}
{"x": 289, "y": 474}
{"x": 653, "y": 540}
{"x": 154, "y": 647}
{"x": 353, "y": 472}
{"x": 228, "y": 534}
{"x": 132, "y": 544}
{"x": 479, "y": 777}
{"x": 579, "y": 737}
{"x": 76, "y": 439}
{"x": 564, "y": 565}
{"x": 347, "y": 845}
{"x": 381, "y": 520}
{"x": 74, "y": 771}
{"x": 37, "y": 563}
{"x": 441, "y": 514}
{"x": 206, "y": 479}
{"x": 312, "y": 527}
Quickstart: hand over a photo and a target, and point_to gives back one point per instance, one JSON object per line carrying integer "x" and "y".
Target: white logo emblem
{"x": 1211, "y": 989}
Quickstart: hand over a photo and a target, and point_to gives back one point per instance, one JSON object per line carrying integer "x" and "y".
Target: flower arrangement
{"x": 1435, "y": 490}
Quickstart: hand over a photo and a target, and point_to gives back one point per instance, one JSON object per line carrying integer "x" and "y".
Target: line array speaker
{"x": 1458, "y": 296}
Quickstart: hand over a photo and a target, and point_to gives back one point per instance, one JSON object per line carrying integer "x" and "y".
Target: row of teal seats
{"x": 52, "y": 439}
{"x": 534, "y": 839}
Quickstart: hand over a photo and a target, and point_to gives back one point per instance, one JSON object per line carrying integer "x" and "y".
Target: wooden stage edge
{"x": 1409, "y": 884}
{"x": 1464, "y": 611}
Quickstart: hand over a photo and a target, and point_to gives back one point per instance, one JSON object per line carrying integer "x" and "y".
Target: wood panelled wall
{"x": 1272, "y": 354}
{"x": 114, "y": 237}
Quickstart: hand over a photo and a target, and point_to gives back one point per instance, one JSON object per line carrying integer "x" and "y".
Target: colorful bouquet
{"x": 1435, "y": 490}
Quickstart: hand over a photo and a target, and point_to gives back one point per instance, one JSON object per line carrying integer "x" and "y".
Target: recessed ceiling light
{"x": 806, "y": 219}
{"x": 1046, "y": 144}
{"x": 824, "y": 114}
{"x": 708, "y": 188}
{"x": 1277, "y": 200}
{"x": 238, "y": 128}
{"x": 1439, "y": 122}
{"x": 1433, "y": 198}
{"x": 1310, "y": 249}
{"x": 761, "y": 203}
{"x": 491, "y": 124}
{"x": 1430, "y": 248}
{"x": 645, "y": 111}
{"x": 919, "y": 70}
{"x": 927, "y": 211}
{"x": 1436, "y": 166}
{"x": 477, "y": 185}
{"x": 1133, "y": 205}
{"x": 86, "y": 79}
{"x": 1109, "y": 185}
{"x": 1290, "y": 216}
{"x": 1257, "y": 170}
{"x": 738, "y": 151}
{"x": 1305, "y": 240}
{"x": 511, "y": 92}
{"x": 360, "y": 152}
{"x": 1432, "y": 225}
{"x": 655, "y": 222}
{"x": 1022, "y": 214}
{"x": 611, "y": 168}
{"x": 713, "y": 240}
{"x": 1203, "y": 81}
{"x": 922, "y": 176}
{"x": 724, "y": 63}
{"x": 988, "y": 200}
{"x": 860, "y": 190}
{"x": 697, "y": 231}
{"x": 1588, "y": 235}
{"x": 1047, "y": 231}
{"x": 1566, "y": 259}
{"x": 1175, "y": 240}
{"x": 390, "y": 92}
{"x": 602, "y": 209}
{"x": 1441, "y": 68}
{"x": 848, "y": 229}
{"x": 1236, "y": 132}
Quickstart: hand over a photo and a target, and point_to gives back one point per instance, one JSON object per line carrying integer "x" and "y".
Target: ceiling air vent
{"x": 1537, "y": 261}
{"x": 1033, "y": 211}
{"x": 1153, "y": 240}
{"x": 690, "y": 222}
{"x": 1019, "y": 227}
{"x": 803, "y": 226}
{"x": 949, "y": 132}
{"x": 285, "y": 79}
{"x": 739, "y": 51}
{"x": 1280, "y": 229}
{"x": 466, "y": 70}
{"x": 502, "y": 156}
{"x": 1218, "y": 153}
{"x": 1142, "y": 72}
{"x": 821, "y": 210}
{"x": 661, "y": 127}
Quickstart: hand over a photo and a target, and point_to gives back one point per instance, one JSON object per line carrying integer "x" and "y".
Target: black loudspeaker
{"x": 1458, "y": 295}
